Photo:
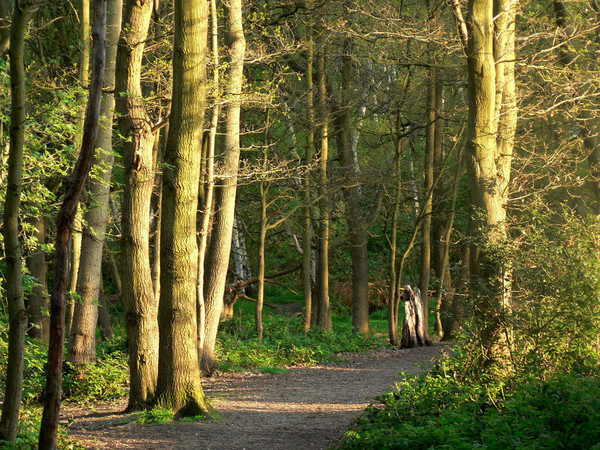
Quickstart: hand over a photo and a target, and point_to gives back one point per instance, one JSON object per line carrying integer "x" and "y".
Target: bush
{"x": 438, "y": 410}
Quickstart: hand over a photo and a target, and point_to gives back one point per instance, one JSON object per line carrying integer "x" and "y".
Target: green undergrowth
{"x": 441, "y": 410}
{"x": 285, "y": 343}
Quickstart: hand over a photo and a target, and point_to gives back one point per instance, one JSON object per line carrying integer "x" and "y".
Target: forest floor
{"x": 307, "y": 407}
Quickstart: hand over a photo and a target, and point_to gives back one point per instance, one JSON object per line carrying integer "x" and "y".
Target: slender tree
{"x": 225, "y": 187}
{"x": 14, "y": 260}
{"x": 82, "y": 341}
{"x": 75, "y": 186}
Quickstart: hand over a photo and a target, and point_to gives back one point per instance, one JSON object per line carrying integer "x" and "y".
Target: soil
{"x": 307, "y": 407}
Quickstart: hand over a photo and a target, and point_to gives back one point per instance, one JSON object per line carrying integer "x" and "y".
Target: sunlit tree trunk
{"x": 179, "y": 386}
{"x": 12, "y": 246}
{"x": 323, "y": 305}
{"x": 82, "y": 340}
{"x": 208, "y": 181}
{"x": 490, "y": 134}
{"x": 139, "y": 303}
{"x": 225, "y": 188}
{"x": 307, "y": 186}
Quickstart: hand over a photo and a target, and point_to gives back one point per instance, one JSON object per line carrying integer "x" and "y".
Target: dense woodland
{"x": 169, "y": 164}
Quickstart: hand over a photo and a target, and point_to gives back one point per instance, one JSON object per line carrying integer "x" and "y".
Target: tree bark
{"x": 352, "y": 194}
{"x": 75, "y": 186}
{"x": 179, "y": 387}
{"x": 14, "y": 260}
{"x": 225, "y": 189}
{"x": 209, "y": 190}
{"x": 307, "y": 234}
{"x": 82, "y": 340}
{"x": 490, "y": 134}
{"x": 139, "y": 302}
{"x": 323, "y": 305}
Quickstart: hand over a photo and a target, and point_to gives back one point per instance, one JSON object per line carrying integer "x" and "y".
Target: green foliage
{"x": 156, "y": 416}
{"x": 557, "y": 286}
{"x": 104, "y": 381}
{"x": 29, "y": 426}
{"x": 442, "y": 410}
{"x": 285, "y": 343}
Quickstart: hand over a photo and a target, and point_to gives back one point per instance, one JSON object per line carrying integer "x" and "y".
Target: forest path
{"x": 306, "y": 408}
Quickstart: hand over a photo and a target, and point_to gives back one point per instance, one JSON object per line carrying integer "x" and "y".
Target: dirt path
{"x": 309, "y": 407}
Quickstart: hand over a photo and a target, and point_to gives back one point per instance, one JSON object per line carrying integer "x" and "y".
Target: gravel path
{"x": 306, "y": 408}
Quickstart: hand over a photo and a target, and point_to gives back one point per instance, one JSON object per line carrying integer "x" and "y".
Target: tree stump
{"x": 413, "y": 327}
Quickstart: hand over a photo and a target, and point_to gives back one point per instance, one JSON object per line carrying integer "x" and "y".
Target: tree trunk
{"x": 209, "y": 185}
{"x": 139, "y": 303}
{"x": 225, "y": 189}
{"x": 38, "y": 301}
{"x": 413, "y": 328}
{"x": 393, "y": 240}
{"x": 104, "y": 324}
{"x": 323, "y": 305}
{"x": 12, "y": 247}
{"x": 308, "y": 161}
{"x": 83, "y": 75}
{"x": 490, "y": 133}
{"x": 82, "y": 340}
{"x": 75, "y": 186}
{"x": 352, "y": 195}
{"x": 179, "y": 387}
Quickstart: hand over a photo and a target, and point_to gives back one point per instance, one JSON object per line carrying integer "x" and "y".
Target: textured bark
{"x": 225, "y": 188}
{"x": 323, "y": 305}
{"x": 38, "y": 302}
{"x": 307, "y": 234}
{"x": 352, "y": 194}
{"x": 209, "y": 185}
{"x": 490, "y": 133}
{"x": 82, "y": 338}
{"x": 413, "y": 328}
{"x": 393, "y": 240}
{"x": 425, "y": 273}
{"x": 179, "y": 384}
{"x": 139, "y": 303}
{"x": 75, "y": 186}
{"x": 12, "y": 247}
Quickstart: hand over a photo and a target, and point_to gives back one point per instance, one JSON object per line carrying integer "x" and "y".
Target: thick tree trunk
{"x": 139, "y": 303}
{"x": 225, "y": 189}
{"x": 323, "y": 304}
{"x": 12, "y": 247}
{"x": 490, "y": 133}
{"x": 38, "y": 301}
{"x": 82, "y": 340}
{"x": 75, "y": 186}
{"x": 179, "y": 387}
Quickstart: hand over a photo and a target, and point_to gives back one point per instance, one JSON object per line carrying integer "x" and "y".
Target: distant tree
{"x": 217, "y": 258}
